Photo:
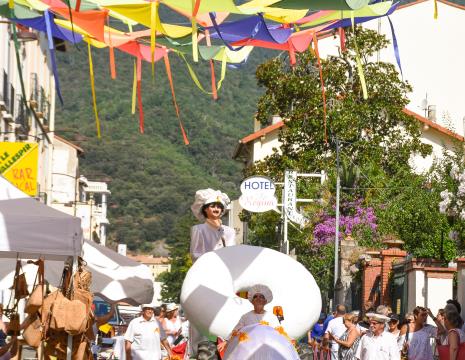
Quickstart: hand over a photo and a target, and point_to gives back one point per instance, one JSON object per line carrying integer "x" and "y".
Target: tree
{"x": 375, "y": 138}
{"x": 180, "y": 260}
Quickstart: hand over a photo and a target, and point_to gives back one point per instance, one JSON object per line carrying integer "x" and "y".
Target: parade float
{"x": 211, "y": 301}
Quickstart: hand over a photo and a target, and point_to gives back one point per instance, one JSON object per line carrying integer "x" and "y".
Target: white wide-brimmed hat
{"x": 208, "y": 196}
{"x": 378, "y": 317}
{"x": 260, "y": 289}
{"x": 171, "y": 307}
{"x": 150, "y": 306}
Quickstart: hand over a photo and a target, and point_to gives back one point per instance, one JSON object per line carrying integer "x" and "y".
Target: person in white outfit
{"x": 209, "y": 206}
{"x": 336, "y": 328}
{"x": 172, "y": 323}
{"x": 144, "y": 336}
{"x": 378, "y": 344}
{"x": 259, "y": 296}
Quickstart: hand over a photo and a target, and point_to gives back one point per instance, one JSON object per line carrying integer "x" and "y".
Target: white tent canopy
{"x": 29, "y": 229}
{"x": 114, "y": 277}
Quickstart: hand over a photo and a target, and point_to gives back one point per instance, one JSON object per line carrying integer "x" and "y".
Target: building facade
{"x": 56, "y": 181}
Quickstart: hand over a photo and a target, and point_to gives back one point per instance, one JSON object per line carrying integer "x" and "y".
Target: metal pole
{"x": 336, "y": 239}
{"x": 286, "y": 242}
{"x": 284, "y": 220}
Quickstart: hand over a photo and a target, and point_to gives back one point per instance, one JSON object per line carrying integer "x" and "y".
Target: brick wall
{"x": 370, "y": 281}
{"x": 388, "y": 256}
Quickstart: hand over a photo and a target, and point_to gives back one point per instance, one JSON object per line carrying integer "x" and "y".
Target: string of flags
{"x": 217, "y": 32}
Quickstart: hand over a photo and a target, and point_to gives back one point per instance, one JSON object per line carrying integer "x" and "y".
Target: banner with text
{"x": 18, "y": 164}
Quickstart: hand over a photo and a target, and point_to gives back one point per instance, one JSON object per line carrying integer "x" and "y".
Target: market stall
{"x": 30, "y": 229}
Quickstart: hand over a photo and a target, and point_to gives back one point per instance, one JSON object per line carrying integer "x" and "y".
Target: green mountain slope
{"x": 153, "y": 177}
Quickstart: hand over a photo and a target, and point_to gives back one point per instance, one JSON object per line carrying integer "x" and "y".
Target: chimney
{"x": 432, "y": 113}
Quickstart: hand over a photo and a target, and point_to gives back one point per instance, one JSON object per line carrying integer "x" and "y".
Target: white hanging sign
{"x": 258, "y": 194}
{"x": 290, "y": 198}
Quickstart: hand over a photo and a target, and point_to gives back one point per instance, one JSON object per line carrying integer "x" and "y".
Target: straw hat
{"x": 171, "y": 307}
{"x": 260, "y": 289}
{"x": 378, "y": 317}
{"x": 208, "y": 196}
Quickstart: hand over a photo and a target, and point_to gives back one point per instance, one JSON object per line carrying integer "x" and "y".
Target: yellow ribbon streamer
{"x": 92, "y": 86}
{"x": 134, "y": 90}
{"x": 360, "y": 72}
{"x": 153, "y": 34}
{"x": 195, "y": 44}
{"x": 223, "y": 69}
{"x": 196, "y": 80}
{"x": 435, "y": 9}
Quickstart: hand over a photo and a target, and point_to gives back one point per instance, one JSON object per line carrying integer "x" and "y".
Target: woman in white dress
{"x": 172, "y": 323}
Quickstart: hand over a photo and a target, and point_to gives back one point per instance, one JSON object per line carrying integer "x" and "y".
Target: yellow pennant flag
{"x": 195, "y": 44}
{"x": 153, "y": 34}
{"x": 92, "y": 86}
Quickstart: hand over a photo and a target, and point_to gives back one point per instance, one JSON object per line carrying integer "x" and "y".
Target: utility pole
{"x": 336, "y": 239}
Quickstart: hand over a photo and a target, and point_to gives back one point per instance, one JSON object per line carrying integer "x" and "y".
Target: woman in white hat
{"x": 171, "y": 323}
{"x": 259, "y": 296}
{"x": 209, "y": 206}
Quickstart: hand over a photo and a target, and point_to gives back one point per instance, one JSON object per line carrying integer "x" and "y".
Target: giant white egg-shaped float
{"x": 209, "y": 290}
{"x": 260, "y": 342}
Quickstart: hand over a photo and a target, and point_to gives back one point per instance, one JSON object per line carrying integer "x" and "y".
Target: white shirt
{"x": 337, "y": 328}
{"x": 144, "y": 336}
{"x": 251, "y": 318}
{"x": 419, "y": 343}
{"x": 168, "y": 325}
{"x": 381, "y": 347}
{"x": 206, "y": 238}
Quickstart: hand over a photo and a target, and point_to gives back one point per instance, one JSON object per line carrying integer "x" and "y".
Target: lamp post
{"x": 336, "y": 235}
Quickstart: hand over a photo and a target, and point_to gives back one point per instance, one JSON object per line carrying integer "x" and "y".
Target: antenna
{"x": 424, "y": 105}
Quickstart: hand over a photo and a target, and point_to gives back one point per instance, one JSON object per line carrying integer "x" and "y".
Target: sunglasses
{"x": 215, "y": 205}
{"x": 258, "y": 296}
{"x": 376, "y": 323}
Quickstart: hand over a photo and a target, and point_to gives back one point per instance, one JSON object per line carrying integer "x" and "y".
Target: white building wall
{"x": 265, "y": 146}
{"x": 416, "y": 289}
{"x": 431, "y": 53}
{"x": 438, "y": 291}
{"x": 64, "y": 182}
{"x": 34, "y": 59}
{"x": 440, "y": 143}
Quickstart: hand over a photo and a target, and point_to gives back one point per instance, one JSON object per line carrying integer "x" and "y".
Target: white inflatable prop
{"x": 209, "y": 290}
{"x": 260, "y": 342}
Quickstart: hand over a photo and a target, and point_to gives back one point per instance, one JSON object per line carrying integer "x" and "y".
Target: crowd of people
{"x": 379, "y": 333}
{"x": 155, "y": 333}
